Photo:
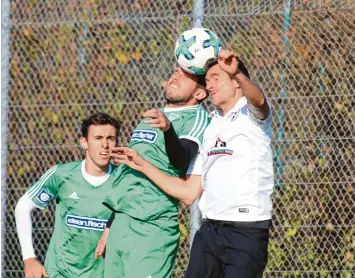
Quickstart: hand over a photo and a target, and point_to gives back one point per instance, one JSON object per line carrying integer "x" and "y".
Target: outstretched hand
{"x": 130, "y": 157}
{"x": 228, "y": 61}
{"x": 158, "y": 119}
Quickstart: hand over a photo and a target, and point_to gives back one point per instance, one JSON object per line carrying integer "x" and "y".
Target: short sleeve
{"x": 194, "y": 126}
{"x": 195, "y": 167}
{"x": 44, "y": 190}
{"x": 252, "y": 112}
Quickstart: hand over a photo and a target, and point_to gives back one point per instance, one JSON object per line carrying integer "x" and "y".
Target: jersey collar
{"x": 172, "y": 109}
{"x": 235, "y": 110}
{"x": 95, "y": 180}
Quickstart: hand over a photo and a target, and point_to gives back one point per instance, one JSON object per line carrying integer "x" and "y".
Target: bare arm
{"x": 255, "y": 96}
{"x": 101, "y": 245}
{"x": 228, "y": 61}
{"x": 185, "y": 190}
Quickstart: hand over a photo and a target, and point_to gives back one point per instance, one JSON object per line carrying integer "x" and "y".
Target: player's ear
{"x": 84, "y": 143}
{"x": 200, "y": 94}
{"x": 235, "y": 83}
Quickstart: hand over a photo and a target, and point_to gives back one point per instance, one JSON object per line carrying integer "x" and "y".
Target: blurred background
{"x": 65, "y": 59}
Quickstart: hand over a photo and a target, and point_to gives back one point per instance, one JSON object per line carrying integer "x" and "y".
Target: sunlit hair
{"x": 241, "y": 66}
{"x": 98, "y": 118}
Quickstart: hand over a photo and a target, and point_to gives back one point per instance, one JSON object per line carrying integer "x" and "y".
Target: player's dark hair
{"x": 201, "y": 80}
{"x": 241, "y": 66}
{"x": 98, "y": 118}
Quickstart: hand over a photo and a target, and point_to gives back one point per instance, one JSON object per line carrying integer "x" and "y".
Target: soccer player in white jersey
{"x": 233, "y": 173}
{"x": 78, "y": 188}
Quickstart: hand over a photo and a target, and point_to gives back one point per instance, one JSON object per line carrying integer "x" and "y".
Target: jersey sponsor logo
{"x": 73, "y": 196}
{"x": 220, "y": 148}
{"x": 87, "y": 223}
{"x": 145, "y": 135}
{"x": 221, "y": 151}
{"x": 219, "y": 143}
{"x": 44, "y": 196}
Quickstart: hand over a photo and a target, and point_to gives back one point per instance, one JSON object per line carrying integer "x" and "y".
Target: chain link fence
{"x": 72, "y": 58}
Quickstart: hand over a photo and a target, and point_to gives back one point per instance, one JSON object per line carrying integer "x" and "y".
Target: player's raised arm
{"x": 185, "y": 190}
{"x": 228, "y": 61}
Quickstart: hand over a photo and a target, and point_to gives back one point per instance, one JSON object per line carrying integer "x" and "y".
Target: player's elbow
{"x": 190, "y": 199}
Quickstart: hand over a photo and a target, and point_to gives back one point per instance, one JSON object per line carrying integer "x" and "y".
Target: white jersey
{"x": 236, "y": 165}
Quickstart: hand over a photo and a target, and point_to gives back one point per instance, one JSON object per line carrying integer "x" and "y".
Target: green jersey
{"x": 133, "y": 193}
{"x": 79, "y": 219}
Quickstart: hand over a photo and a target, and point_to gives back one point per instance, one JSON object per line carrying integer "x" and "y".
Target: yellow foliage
{"x": 122, "y": 57}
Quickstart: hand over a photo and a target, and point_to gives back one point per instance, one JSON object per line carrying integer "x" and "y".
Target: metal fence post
{"x": 195, "y": 214}
{"x": 5, "y": 57}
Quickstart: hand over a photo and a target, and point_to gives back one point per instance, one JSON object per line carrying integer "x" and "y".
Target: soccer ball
{"x": 194, "y": 47}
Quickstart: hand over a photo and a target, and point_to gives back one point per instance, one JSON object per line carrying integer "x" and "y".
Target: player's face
{"x": 180, "y": 87}
{"x": 101, "y": 139}
{"x": 221, "y": 87}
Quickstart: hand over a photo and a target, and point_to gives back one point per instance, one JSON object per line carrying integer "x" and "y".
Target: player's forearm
{"x": 173, "y": 186}
{"x": 24, "y": 226}
{"x": 254, "y": 95}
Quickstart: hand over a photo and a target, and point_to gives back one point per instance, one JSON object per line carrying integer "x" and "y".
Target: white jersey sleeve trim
{"x": 195, "y": 167}
{"x": 253, "y": 115}
{"x": 23, "y": 219}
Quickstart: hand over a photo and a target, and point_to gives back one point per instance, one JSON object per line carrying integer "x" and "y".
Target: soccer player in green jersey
{"x": 78, "y": 188}
{"x": 144, "y": 236}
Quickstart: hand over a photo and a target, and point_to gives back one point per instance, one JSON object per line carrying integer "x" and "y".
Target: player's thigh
{"x": 246, "y": 256}
{"x": 203, "y": 263}
{"x": 155, "y": 251}
{"x": 114, "y": 266}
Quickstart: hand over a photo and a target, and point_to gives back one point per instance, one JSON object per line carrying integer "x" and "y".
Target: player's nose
{"x": 105, "y": 143}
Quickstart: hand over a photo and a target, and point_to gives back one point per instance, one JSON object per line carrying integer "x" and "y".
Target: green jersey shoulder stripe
{"x": 37, "y": 186}
{"x": 200, "y": 124}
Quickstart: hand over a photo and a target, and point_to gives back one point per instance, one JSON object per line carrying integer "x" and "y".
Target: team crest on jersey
{"x": 173, "y": 117}
{"x": 220, "y": 148}
{"x": 145, "y": 135}
{"x": 87, "y": 223}
{"x": 44, "y": 196}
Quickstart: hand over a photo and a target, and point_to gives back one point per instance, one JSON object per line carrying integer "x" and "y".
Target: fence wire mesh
{"x": 72, "y": 58}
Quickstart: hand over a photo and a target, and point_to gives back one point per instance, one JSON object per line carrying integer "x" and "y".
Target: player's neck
{"x": 179, "y": 105}
{"x": 94, "y": 170}
{"x": 228, "y": 105}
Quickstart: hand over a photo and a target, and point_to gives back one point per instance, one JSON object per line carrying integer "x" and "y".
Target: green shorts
{"x": 139, "y": 249}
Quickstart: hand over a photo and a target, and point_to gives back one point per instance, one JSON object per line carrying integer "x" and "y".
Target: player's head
{"x": 99, "y": 133}
{"x": 221, "y": 86}
{"x": 184, "y": 88}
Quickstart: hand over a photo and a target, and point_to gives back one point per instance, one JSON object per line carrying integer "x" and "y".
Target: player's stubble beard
{"x": 175, "y": 99}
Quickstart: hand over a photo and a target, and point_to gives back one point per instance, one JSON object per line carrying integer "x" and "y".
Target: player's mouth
{"x": 104, "y": 153}
{"x": 174, "y": 85}
{"x": 212, "y": 93}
